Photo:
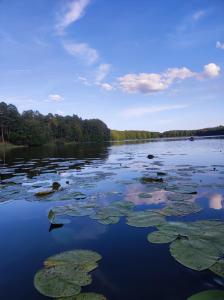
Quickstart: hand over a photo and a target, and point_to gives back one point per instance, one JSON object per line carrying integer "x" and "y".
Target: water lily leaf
{"x": 218, "y": 268}
{"x": 180, "y": 229}
{"x": 51, "y": 285}
{"x": 55, "y": 220}
{"x": 72, "y": 273}
{"x": 151, "y": 180}
{"x": 77, "y": 257}
{"x": 196, "y": 254}
{"x": 85, "y": 296}
{"x": 181, "y": 208}
{"x": 109, "y": 220}
{"x": 159, "y": 237}
{"x": 208, "y": 295}
{"x": 145, "y": 218}
{"x": 124, "y": 207}
{"x": 44, "y": 193}
{"x": 73, "y": 195}
{"x": 145, "y": 195}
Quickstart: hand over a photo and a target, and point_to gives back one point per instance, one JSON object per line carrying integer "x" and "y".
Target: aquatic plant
{"x": 196, "y": 245}
{"x": 65, "y": 273}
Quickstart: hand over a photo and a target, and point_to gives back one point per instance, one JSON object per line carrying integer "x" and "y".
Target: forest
{"x": 32, "y": 128}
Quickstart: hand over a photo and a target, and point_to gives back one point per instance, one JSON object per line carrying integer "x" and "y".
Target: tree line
{"x": 117, "y": 135}
{"x": 34, "y": 129}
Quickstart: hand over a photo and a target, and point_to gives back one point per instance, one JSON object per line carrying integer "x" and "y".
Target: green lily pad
{"x": 85, "y": 296}
{"x": 77, "y": 257}
{"x": 196, "y": 254}
{"x": 109, "y": 220}
{"x": 44, "y": 193}
{"x": 65, "y": 273}
{"x": 196, "y": 245}
{"x": 145, "y": 195}
{"x": 218, "y": 268}
{"x": 73, "y": 273}
{"x": 145, "y": 218}
{"x": 208, "y": 295}
{"x": 151, "y": 180}
{"x": 55, "y": 220}
{"x": 51, "y": 285}
{"x": 181, "y": 208}
{"x": 160, "y": 237}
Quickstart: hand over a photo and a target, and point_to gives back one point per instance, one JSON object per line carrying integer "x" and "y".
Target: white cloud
{"x": 198, "y": 15}
{"x": 84, "y": 80}
{"x": 55, "y": 97}
{"x": 97, "y": 77}
{"x": 72, "y": 13}
{"x": 211, "y": 70}
{"x": 220, "y": 45}
{"x": 155, "y": 82}
{"x": 102, "y": 71}
{"x": 82, "y": 51}
{"x": 145, "y": 110}
{"x": 106, "y": 86}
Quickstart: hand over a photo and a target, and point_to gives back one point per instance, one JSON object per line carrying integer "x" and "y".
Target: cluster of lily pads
{"x": 64, "y": 275}
{"x": 197, "y": 245}
{"x": 109, "y": 214}
{"x": 178, "y": 204}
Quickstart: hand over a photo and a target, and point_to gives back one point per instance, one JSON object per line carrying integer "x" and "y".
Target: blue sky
{"x": 135, "y": 64}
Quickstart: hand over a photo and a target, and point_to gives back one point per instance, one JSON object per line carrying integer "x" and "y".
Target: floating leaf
{"x": 145, "y": 218}
{"x": 51, "y": 285}
{"x": 177, "y": 208}
{"x": 65, "y": 273}
{"x": 197, "y": 245}
{"x": 208, "y": 295}
{"x": 151, "y": 180}
{"x": 218, "y": 268}
{"x": 145, "y": 195}
{"x": 55, "y": 220}
{"x": 109, "y": 220}
{"x": 159, "y": 237}
{"x": 78, "y": 257}
{"x": 44, "y": 193}
{"x": 72, "y": 273}
{"x": 85, "y": 296}
{"x": 197, "y": 254}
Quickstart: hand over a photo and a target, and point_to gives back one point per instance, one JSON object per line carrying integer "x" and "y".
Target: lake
{"x": 92, "y": 178}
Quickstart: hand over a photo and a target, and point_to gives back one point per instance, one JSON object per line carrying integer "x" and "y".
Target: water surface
{"x": 131, "y": 268}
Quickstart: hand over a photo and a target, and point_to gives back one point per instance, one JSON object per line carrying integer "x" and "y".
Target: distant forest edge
{"x": 34, "y": 129}
{"x": 117, "y": 135}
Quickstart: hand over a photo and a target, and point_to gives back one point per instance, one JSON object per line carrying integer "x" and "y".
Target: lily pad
{"x": 65, "y": 273}
{"x": 145, "y": 219}
{"x": 196, "y": 245}
{"x": 208, "y": 295}
{"x": 160, "y": 237}
{"x": 78, "y": 257}
{"x": 55, "y": 220}
{"x": 196, "y": 254}
{"x": 44, "y": 193}
{"x": 151, "y": 180}
{"x": 85, "y": 296}
{"x": 218, "y": 268}
{"x": 51, "y": 285}
{"x": 177, "y": 208}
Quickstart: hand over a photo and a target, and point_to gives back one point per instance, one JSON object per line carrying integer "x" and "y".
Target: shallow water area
{"x": 101, "y": 188}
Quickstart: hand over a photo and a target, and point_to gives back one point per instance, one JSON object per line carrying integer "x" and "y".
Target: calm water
{"x": 131, "y": 267}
